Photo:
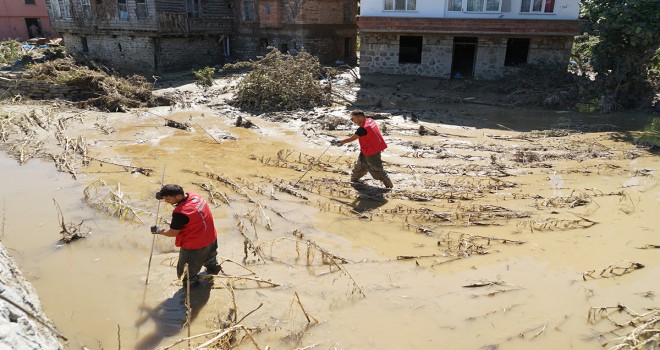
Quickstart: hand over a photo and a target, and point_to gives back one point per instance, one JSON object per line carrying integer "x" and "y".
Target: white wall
{"x": 564, "y": 10}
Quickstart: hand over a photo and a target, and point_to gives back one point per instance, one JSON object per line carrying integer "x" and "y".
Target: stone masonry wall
{"x": 379, "y": 53}
{"x": 145, "y": 55}
{"x": 13, "y": 83}
{"x": 177, "y": 54}
{"x": 130, "y": 53}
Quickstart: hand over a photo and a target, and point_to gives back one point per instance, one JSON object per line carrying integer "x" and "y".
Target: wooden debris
{"x": 612, "y": 271}
{"x": 70, "y": 232}
{"x": 174, "y": 124}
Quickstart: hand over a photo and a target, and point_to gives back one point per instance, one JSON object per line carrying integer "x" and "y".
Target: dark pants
{"x": 196, "y": 258}
{"x": 373, "y": 165}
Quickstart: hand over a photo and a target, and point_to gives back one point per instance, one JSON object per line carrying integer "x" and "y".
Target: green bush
{"x": 204, "y": 76}
{"x": 10, "y": 51}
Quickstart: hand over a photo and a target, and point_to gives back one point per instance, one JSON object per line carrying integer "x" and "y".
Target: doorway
{"x": 33, "y": 27}
{"x": 462, "y": 63}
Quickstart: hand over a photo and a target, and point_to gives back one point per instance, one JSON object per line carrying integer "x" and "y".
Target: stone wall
{"x": 16, "y": 84}
{"x": 177, "y": 54}
{"x": 149, "y": 55}
{"x": 133, "y": 54}
{"x": 379, "y": 53}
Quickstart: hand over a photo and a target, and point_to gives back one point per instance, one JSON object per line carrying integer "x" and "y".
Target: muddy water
{"x": 95, "y": 291}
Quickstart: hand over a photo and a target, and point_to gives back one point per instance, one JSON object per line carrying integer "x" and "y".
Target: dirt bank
{"x": 507, "y": 227}
{"x": 23, "y": 325}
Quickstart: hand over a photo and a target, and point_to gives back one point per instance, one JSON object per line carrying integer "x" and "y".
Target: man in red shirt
{"x": 194, "y": 231}
{"x": 371, "y": 145}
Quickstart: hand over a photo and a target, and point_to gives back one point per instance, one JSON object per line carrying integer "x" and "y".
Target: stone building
{"x": 151, "y": 36}
{"x": 481, "y": 39}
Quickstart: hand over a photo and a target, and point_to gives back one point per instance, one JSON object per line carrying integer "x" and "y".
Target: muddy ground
{"x": 507, "y": 228}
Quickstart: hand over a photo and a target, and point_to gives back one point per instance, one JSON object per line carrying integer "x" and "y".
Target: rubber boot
{"x": 388, "y": 183}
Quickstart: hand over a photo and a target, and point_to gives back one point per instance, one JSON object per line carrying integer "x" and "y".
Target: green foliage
{"x": 10, "y": 51}
{"x": 628, "y": 45}
{"x": 650, "y": 136}
{"x": 281, "y": 82}
{"x": 582, "y": 52}
{"x": 204, "y": 76}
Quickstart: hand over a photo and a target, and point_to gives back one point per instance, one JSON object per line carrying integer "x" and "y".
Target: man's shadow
{"x": 170, "y": 315}
{"x": 369, "y": 197}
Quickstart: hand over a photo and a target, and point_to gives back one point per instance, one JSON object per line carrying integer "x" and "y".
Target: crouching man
{"x": 194, "y": 232}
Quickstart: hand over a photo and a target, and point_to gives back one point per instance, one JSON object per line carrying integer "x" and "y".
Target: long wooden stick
{"x": 311, "y": 165}
{"x": 153, "y": 240}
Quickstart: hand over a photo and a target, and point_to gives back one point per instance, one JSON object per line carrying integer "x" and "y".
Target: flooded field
{"x": 500, "y": 233}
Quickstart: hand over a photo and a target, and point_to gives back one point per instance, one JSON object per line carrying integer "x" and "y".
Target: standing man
{"x": 194, "y": 231}
{"x": 371, "y": 144}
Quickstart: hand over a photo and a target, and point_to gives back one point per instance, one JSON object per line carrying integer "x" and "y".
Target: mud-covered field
{"x": 507, "y": 228}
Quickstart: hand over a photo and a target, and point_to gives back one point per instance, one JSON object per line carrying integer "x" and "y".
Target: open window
{"x": 517, "y": 51}
{"x": 410, "y": 49}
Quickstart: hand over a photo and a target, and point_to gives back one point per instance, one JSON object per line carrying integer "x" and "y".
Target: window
{"x": 141, "y": 8}
{"x": 248, "y": 10}
{"x": 517, "y": 50}
{"x": 55, "y": 7}
{"x": 284, "y": 48}
{"x": 400, "y": 5}
{"x": 538, "y": 6}
{"x": 192, "y": 7}
{"x": 455, "y": 5}
{"x": 67, "y": 8}
{"x": 410, "y": 49}
{"x": 30, "y": 2}
{"x": 483, "y": 5}
{"x": 267, "y": 9}
{"x": 263, "y": 45}
{"x": 348, "y": 17}
{"x": 86, "y": 8}
{"x": 122, "y": 7}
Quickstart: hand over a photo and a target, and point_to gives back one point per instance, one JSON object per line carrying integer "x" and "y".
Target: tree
{"x": 626, "y": 55}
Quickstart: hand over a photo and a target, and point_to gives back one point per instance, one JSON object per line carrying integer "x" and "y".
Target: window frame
{"x": 55, "y": 6}
{"x": 193, "y": 9}
{"x": 86, "y": 6}
{"x": 141, "y": 9}
{"x": 391, "y": 5}
{"x": 484, "y": 5}
{"x": 546, "y": 6}
{"x": 249, "y": 11}
{"x": 347, "y": 12}
{"x": 122, "y": 14}
{"x": 30, "y": 2}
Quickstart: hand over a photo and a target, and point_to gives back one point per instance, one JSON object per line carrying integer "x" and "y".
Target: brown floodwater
{"x": 94, "y": 288}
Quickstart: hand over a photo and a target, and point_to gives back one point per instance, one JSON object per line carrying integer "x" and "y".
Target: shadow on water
{"x": 170, "y": 315}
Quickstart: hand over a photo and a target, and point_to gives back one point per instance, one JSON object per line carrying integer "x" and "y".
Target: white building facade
{"x": 480, "y": 39}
